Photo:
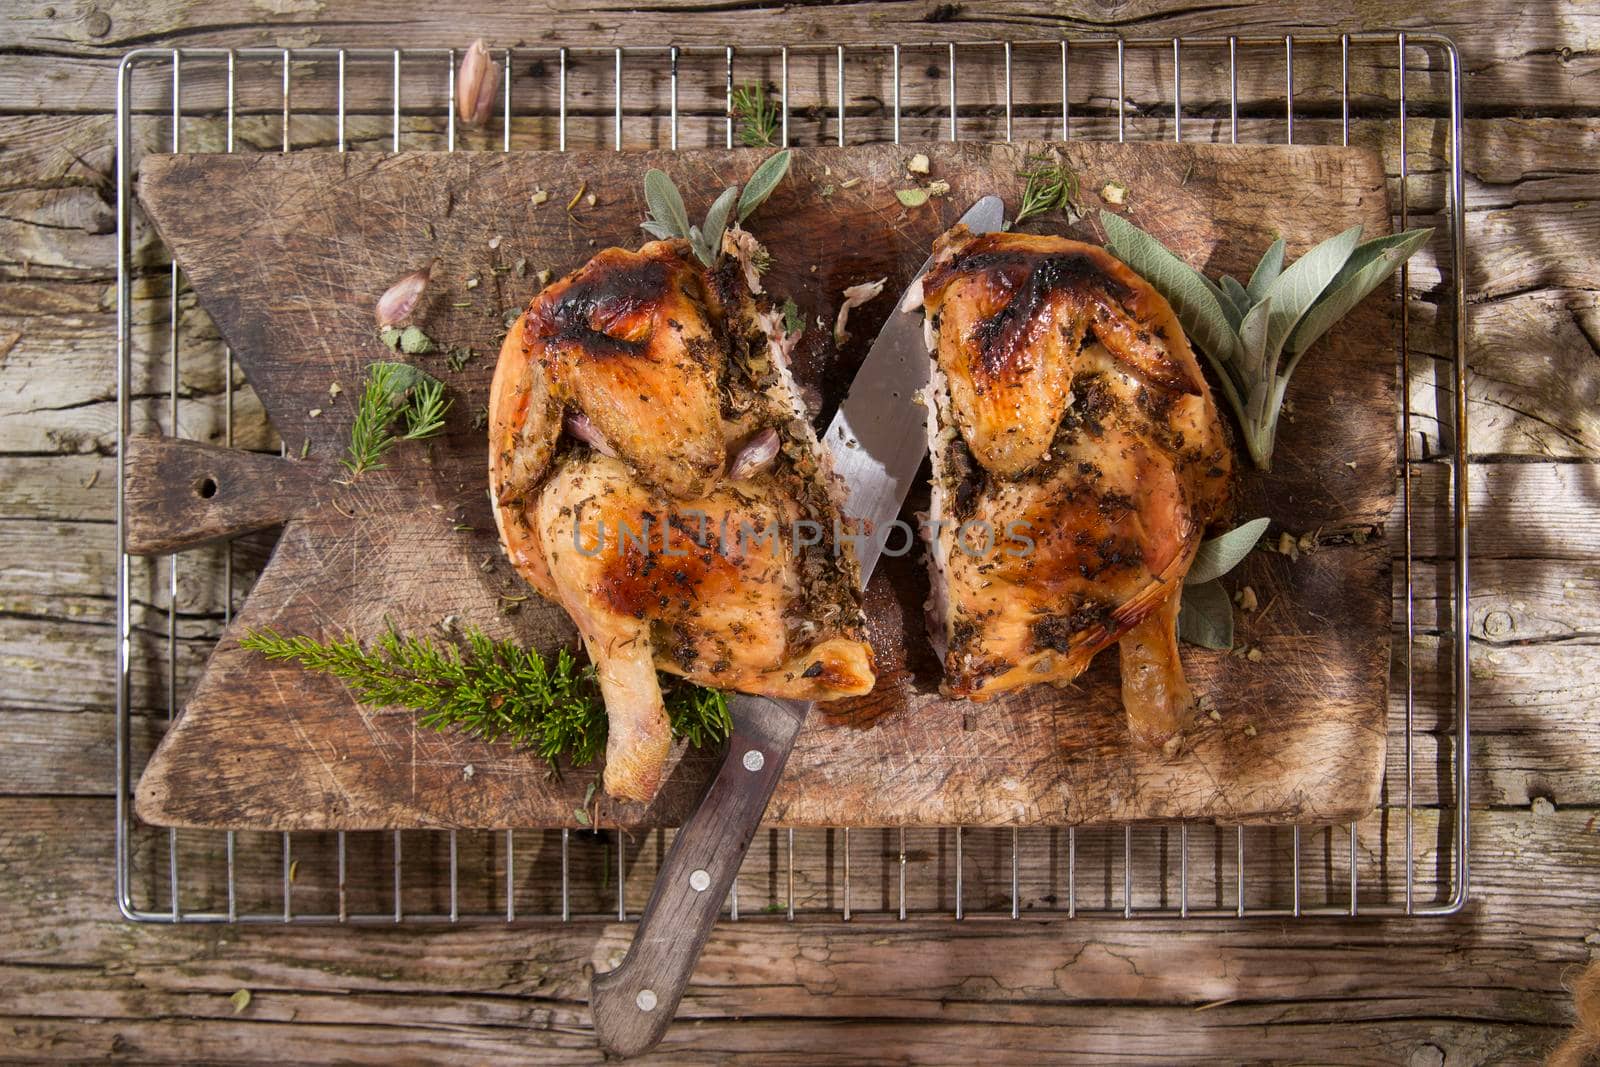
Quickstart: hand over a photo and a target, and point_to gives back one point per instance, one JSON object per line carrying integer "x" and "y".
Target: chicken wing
{"x": 657, "y": 475}
{"x": 1078, "y": 459}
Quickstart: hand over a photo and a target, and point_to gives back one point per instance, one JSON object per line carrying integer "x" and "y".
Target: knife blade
{"x": 877, "y": 442}
{"x": 876, "y": 436}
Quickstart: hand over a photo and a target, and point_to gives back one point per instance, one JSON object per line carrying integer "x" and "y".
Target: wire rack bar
{"x": 1267, "y": 880}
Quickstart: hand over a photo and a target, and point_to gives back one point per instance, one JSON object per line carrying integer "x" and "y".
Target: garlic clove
{"x": 476, "y": 83}
{"x": 578, "y": 425}
{"x": 400, "y": 299}
{"x": 755, "y": 455}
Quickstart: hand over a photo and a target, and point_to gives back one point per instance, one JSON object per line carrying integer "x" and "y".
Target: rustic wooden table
{"x": 1486, "y": 985}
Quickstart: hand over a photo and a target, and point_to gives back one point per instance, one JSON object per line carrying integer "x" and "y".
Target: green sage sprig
{"x": 669, "y": 219}
{"x": 1255, "y": 335}
{"x": 1205, "y": 617}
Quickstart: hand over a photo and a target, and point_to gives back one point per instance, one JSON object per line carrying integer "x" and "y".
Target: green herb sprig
{"x": 1205, "y": 617}
{"x": 489, "y": 689}
{"x": 669, "y": 219}
{"x": 1049, "y": 185}
{"x": 759, "y": 118}
{"x": 1255, "y": 334}
{"x": 393, "y": 393}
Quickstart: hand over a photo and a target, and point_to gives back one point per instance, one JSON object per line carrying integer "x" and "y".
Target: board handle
{"x": 179, "y": 493}
{"x": 633, "y": 1004}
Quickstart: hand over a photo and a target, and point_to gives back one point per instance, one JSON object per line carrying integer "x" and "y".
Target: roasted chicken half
{"x": 1077, "y": 461}
{"x": 655, "y": 473}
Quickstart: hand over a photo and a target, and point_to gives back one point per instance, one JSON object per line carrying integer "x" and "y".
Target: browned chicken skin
{"x": 619, "y": 397}
{"x": 1078, "y": 459}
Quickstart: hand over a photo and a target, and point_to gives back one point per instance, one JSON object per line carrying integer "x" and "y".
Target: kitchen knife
{"x": 877, "y": 442}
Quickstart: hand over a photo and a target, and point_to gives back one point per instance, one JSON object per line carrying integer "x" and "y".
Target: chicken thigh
{"x": 655, "y": 473}
{"x": 1078, "y": 459}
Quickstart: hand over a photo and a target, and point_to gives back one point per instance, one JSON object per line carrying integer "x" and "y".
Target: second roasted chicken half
{"x": 656, "y": 474}
{"x": 1078, "y": 459}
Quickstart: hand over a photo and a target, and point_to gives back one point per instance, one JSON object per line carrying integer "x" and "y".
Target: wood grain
{"x": 1483, "y": 987}
{"x": 324, "y": 233}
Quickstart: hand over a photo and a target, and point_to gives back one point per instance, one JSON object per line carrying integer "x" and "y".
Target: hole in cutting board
{"x": 206, "y": 488}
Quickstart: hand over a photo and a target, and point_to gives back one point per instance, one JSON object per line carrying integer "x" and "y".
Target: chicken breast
{"x": 656, "y": 474}
{"x": 1077, "y": 458}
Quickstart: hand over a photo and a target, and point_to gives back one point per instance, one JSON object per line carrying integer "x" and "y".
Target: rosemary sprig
{"x": 393, "y": 392}
{"x": 758, "y": 117}
{"x": 1049, "y": 184}
{"x": 489, "y": 689}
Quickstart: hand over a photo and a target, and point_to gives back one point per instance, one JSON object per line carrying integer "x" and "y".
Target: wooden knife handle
{"x": 634, "y": 1004}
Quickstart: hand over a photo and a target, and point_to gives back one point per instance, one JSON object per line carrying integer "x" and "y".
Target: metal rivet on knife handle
{"x": 646, "y": 1000}
{"x": 754, "y": 760}
{"x": 699, "y": 880}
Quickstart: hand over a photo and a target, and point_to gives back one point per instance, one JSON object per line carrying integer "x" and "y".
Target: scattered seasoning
{"x": 539, "y": 197}
{"x": 305, "y": 448}
{"x": 583, "y": 187}
{"x": 240, "y": 999}
{"x": 917, "y": 164}
{"x": 467, "y": 772}
{"x": 1114, "y": 192}
{"x": 494, "y": 242}
{"x": 294, "y": 871}
{"x": 543, "y": 277}
{"x": 460, "y": 526}
{"x": 315, "y": 412}
{"x": 334, "y": 390}
{"x": 938, "y": 187}
{"x": 1543, "y": 806}
{"x": 1214, "y": 715}
{"x": 480, "y": 419}
{"x": 590, "y": 200}
{"x": 1254, "y": 655}
{"x": 1249, "y": 730}
{"x": 850, "y": 183}
{"x": 472, "y": 283}
{"x": 458, "y": 357}
{"x": 581, "y": 815}
{"x": 1246, "y": 599}
{"x": 1288, "y": 546}
{"x": 94, "y": 476}
{"x": 521, "y": 267}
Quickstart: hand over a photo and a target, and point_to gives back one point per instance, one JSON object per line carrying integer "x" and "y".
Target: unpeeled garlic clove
{"x": 400, "y": 299}
{"x": 476, "y": 83}
{"x": 578, "y": 425}
{"x": 755, "y": 455}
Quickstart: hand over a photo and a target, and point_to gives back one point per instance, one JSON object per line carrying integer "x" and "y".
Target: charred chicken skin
{"x": 655, "y": 473}
{"x": 1077, "y": 458}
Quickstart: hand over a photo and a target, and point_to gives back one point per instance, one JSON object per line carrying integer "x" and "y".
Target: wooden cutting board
{"x": 288, "y": 254}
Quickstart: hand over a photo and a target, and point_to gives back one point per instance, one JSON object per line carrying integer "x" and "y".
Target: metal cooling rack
{"x": 1409, "y": 858}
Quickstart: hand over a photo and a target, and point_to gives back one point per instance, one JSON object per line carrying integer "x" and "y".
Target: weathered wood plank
{"x": 1490, "y": 980}
{"x": 1514, "y": 58}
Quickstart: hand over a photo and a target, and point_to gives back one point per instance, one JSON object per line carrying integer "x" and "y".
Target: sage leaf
{"x": 660, "y": 231}
{"x": 665, "y": 202}
{"x": 1205, "y": 617}
{"x": 763, "y": 182}
{"x": 1266, "y": 271}
{"x": 1364, "y": 271}
{"x": 1198, "y": 309}
{"x": 717, "y": 219}
{"x": 1298, "y": 287}
{"x": 1219, "y": 555}
{"x": 1237, "y": 297}
{"x": 1253, "y": 340}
